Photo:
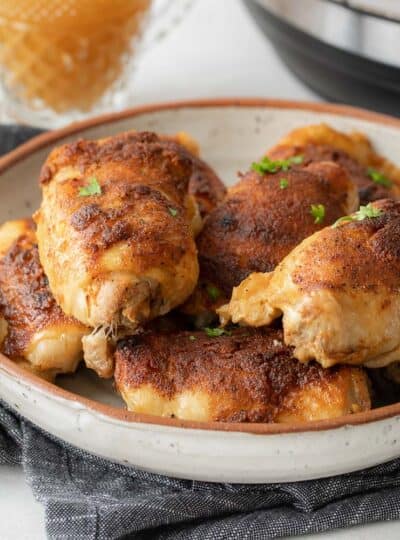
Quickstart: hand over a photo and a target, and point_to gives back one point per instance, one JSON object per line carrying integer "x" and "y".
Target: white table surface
{"x": 217, "y": 51}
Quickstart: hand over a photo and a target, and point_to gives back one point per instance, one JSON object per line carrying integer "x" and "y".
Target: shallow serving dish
{"x": 86, "y": 412}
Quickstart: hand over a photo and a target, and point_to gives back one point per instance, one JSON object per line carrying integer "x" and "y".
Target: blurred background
{"x": 63, "y": 60}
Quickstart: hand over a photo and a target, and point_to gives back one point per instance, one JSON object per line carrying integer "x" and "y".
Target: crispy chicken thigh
{"x": 259, "y": 223}
{"x": 248, "y": 376}
{"x": 354, "y": 152}
{"x": 206, "y": 187}
{"x": 204, "y": 184}
{"x": 3, "y": 329}
{"x": 35, "y": 332}
{"x": 338, "y": 292}
{"x": 116, "y": 235}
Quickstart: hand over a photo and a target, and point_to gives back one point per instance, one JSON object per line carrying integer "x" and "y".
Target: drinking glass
{"x": 64, "y": 60}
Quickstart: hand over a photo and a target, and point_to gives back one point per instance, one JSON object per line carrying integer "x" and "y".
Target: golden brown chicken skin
{"x": 37, "y": 333}
{"x": 354, "y": 152}
{"x": 206, "y": 187}
{"x": 115, "y": 233}
{"x": 3, "y": 328}
{"x": 338, "y": 292}
{"x": 247, "y": 376}
{"x": 260, "y": 222}
{"x": 204, "y": 184}
{"x": 368, "y": 190}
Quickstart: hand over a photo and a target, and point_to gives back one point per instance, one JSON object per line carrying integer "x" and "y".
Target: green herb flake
{"x": 192, "y": 338}
{"x": 344, "y": 219}
{"x": 213, "y": 292}
{"x": 368, "y": 211}
{"x": 283, "y": 183}
{"x": 318, "y": 213}
{"x": 296, "y": 160}
{"x": 92, "y": 188}
{"x": 267, "y": 165}
{"x": 216, "y": 332}
{"x": 364, "y": 212}
{"x": 173, "y": 211}
{"x": 379, "y": 178}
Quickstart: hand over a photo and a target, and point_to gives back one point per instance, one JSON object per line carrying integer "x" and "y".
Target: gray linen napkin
{"x": 89, "y": 498}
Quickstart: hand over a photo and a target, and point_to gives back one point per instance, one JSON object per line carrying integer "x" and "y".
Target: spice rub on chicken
{"x": 34, "y": 332}
{"x": 375, "y": 176}
{"x": 116, "y": 234}
{"x": 243, "y": 375}
{"x": 262, "y": 218}
{"x": 338, "y": 291}
{"x": 204, "y": 184}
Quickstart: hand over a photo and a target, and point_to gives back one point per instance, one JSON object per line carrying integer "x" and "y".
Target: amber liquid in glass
{"x": 65, "y": 54}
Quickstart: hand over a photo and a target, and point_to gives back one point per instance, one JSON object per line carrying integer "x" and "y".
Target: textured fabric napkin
{"x": 88, "y": 498}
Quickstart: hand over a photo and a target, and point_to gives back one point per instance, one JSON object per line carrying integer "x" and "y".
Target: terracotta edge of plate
{"x": 50, "y": 137}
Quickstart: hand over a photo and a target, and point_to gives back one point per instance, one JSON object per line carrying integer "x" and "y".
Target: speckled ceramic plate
{"x": 86, "y": 412}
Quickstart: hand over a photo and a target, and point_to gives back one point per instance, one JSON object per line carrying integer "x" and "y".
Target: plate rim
{"x": 45, "y": 139}
{"x": 40, "y": 141}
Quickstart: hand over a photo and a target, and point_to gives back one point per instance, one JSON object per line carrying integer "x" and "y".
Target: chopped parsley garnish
{"x": 192, "y": 338}
{"x": 213, "y": 292}
{"x": 364, "y": 212}
{"x": 92, "y": 188}
{"x": 379, "y": 178}
{"x": 295, "y": 160}
{"x": 318, "y": 212}
{"x": 173, "y": 211}
{"x": 216, "y": 332}
{"x": 283, "y": 183}
{"x": 267, "y": 165}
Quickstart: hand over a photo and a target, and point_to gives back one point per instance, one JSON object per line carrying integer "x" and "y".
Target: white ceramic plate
{"x": 85, "y": 411}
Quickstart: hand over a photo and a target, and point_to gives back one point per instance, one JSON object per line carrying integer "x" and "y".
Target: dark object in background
{"x": 12, "y": 136}
{"x": 384, "y": 390}
{"x": 345, "y": 53}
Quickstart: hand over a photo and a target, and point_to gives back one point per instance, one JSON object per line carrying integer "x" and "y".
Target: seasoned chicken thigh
{"x": 263, "y": 217}
{"x": 204, "y": 184}
{"x": 35, "y": 332}
{"x": 338, "y": 292}
{"x": 3, "y": 329}
{"x": 206, "y": 187}
{"x": 246, "y": 376}
{"x": 375, "y": 177}
{"x": 116, "y": 235}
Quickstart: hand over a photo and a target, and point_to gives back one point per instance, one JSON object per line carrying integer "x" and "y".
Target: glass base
{"x": 36, "y": 114}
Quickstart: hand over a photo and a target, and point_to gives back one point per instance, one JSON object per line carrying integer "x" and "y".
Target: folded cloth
{"x": 89, "y": 498}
